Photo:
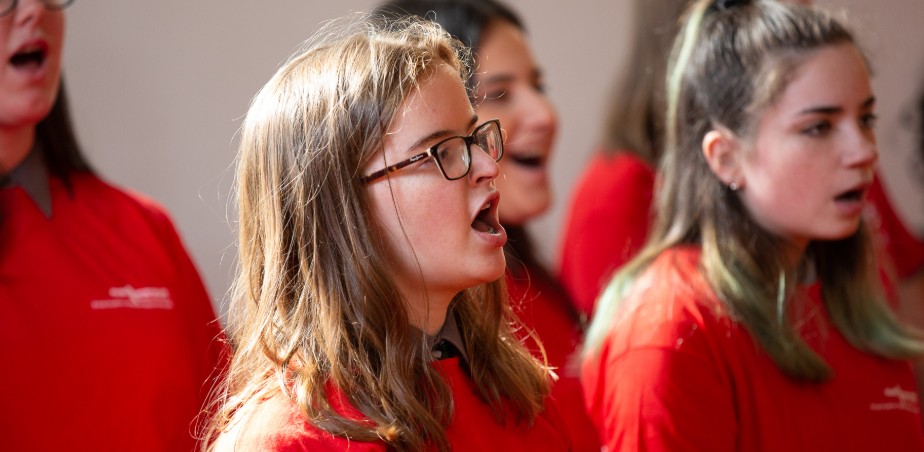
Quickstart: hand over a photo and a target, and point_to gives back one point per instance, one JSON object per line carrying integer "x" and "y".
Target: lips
{"x": 486, "y": 220}
{"x": 850, "y": 202}
{"x": 528, "y": 159}
{"x": 30, "y": 56}
{"x": 855, "y": 194}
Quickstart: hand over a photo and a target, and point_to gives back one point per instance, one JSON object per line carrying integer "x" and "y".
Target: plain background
{"x": 158, "y": 90}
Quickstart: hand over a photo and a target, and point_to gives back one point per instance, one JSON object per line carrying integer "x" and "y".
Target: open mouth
{"x": 851, "y": 195}
{"x": 486, "y": 220}
{"x": 528, "y": 161}
{"x": 30, "y": 57}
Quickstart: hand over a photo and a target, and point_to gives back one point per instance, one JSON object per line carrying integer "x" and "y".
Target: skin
{"x": 427, "y": 220}
{"x": 813, "y": 145}
{"x": 28, "y": 92}
{"x": 509, "y": 87}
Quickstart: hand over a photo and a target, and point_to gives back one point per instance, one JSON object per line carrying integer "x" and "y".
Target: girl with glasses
{"x": 753, "y": 319}
{"x": 369, "y": 312}
{"x": 508, "y": 84}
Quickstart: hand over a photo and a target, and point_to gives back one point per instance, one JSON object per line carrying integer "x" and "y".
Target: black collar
{"x": 32, "y": 176}
{"x": 447, "y": 343}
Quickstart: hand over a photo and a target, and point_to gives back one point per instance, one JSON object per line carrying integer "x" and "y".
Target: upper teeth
{"x": 30, "y": 49}
{"x": 487, "y": 206}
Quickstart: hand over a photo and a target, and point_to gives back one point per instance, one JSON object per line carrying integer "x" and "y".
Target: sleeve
{"x": 204, "y": 331}
{"x": 658, "y": 399}
{"x": 606, "y": 226}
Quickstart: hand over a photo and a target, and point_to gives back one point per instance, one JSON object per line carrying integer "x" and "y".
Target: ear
{"x": 722, "y": 151}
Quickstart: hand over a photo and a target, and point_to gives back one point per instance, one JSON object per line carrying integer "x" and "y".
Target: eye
{"x": 444, "y": 152}
{"x": 868, "y": 120}
{"x": 496, "y": 95}
{"x": 817, "y": 129}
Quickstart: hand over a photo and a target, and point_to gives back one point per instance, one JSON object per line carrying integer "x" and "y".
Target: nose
{"x": 484, "y": 168}
{"x": 538, "y": 113}
{"x": 29, "y": 11}
{"x": 863, "y": 150}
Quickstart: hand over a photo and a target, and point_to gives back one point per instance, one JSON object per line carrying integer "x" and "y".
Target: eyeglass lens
{"x": 454, "y": 155}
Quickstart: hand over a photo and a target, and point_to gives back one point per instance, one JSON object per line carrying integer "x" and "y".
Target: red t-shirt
{"x": 676, "y": 373}
{"x": 544, "y": 309}
{"x": 278, "y": 425}
{"x": 607, "y": 223}
{"x": 107, "y": 335}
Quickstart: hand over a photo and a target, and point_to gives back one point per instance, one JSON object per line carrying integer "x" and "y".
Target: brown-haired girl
{"x": 369, "y": 313}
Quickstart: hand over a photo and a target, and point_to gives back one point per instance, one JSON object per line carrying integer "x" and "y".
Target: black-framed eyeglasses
{"x": 7, "y": 6}
{"x": 453, "y": 156}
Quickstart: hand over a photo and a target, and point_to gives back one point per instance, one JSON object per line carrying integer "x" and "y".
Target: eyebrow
{"x": 440, "y": 134}
{"x": 505, "y": 78}
{"x": 830, "y": 110}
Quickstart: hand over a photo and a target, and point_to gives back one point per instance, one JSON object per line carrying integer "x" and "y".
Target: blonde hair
{"x": 314, "y": 304}
{"x": 728, "y": 65}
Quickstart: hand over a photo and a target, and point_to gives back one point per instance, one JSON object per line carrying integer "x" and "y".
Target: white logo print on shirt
{"x": 897, "y": 399}
{"x": 132, "y": 298}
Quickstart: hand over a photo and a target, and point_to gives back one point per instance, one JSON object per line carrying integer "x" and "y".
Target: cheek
{"x": 422, "y": 214}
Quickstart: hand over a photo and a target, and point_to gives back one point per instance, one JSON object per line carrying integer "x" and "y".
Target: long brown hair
{"x": 729, "y": 64}
{"x": 314, "y": 303}
{"x": 635, "y": 119}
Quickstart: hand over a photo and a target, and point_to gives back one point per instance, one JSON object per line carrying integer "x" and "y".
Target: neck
{"x": 795, "y": 253}
{"x": 428, "y": 309}
{"x": 15, "y": 145}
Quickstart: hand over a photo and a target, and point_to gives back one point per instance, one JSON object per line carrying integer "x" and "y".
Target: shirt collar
{"x": 448, "y": 338}
{"x": 32, "y": 176}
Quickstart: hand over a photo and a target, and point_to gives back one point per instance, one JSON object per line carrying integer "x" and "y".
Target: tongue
{"x": 482, "y": 226}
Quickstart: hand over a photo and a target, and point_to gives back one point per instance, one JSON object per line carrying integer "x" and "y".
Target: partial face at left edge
{"x": 31, "y": 39}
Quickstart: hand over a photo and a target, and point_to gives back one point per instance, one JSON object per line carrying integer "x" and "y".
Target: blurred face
{"x": 30, "y": 41}
{"x": 814, "y": 152}
{"x": 509, "y": 87}
{"x": 442, "y": 236}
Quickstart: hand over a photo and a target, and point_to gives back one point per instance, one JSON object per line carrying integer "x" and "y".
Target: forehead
{"x": 834, "y": 75}
{"x": 439, "y": 103}
{"x": 503, "y": 48}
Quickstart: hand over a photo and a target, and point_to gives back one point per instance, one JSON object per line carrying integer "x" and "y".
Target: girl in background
{"x": 107, "y": 334}
{"x": 610, "y": 211}
{"x": 507, "y": 84}
{"x": 753, "y": 319}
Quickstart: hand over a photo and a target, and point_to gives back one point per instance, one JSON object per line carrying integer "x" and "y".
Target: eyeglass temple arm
{"x": 392, "y": 168}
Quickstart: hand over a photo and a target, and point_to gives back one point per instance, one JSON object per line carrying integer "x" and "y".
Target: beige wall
{"x": 159, "y": 88}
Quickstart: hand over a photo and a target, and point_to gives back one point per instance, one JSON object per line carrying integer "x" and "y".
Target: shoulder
{"x": 276, "y": 424}
{"x": 114, "y": 203}
{"x": 670, "y": 306}
{"x": 619, "y": 170}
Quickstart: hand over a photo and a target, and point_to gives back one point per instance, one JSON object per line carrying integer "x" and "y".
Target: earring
{"x": 733, "y": 186}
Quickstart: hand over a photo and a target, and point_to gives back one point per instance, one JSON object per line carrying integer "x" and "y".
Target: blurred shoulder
{"x": 276, "y": 424}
